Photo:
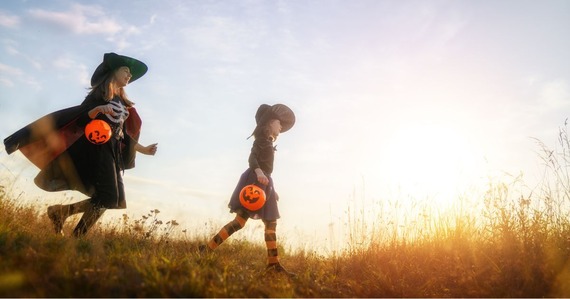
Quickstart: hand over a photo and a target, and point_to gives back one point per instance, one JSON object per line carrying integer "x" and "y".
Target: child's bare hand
{"x": 149, "y": 150}
{"x": 106, "y": 109}
{"x": 261, "y": 177}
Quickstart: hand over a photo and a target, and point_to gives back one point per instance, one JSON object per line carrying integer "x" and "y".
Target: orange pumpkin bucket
{"x": 98, "y": 131}
{"x": 252, "y": 197}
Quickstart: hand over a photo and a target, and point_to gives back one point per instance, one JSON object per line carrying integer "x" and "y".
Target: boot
{"x": 89, "y": 218}
{"x": 57, "y": 216}
{"x": 204, "y": 249}
{"x": 278, "y": 269}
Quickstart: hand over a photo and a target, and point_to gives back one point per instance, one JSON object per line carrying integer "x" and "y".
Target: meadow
{"x": 517, "y": 244}
{"x": 522, "y": 253}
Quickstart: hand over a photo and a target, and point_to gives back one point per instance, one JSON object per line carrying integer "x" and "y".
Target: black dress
{"x": 261, "y": 156}
{"x": 68, "y": 161}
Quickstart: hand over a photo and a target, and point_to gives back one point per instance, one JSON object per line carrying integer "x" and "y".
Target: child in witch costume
{"x": 270, "y": 120}
{"x": 56, "y": 143}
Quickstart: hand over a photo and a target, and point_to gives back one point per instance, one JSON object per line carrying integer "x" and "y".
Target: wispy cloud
{"x": 9, "y": 74}
{"x": 81, "y": 19}
{"x": 9, "y": 21}
{"x": 88, "y": 20}
{"x": 153, "y": 19}
{"x": 224, "y": 36}
{"x": 10, "y": 71}
{"x": 78, "y": 70}
{"x": 6, "y": 82}
{"x": 11, "y": 48}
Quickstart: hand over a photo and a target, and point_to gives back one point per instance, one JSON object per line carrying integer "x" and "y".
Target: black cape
{"x": 54, "y": 144}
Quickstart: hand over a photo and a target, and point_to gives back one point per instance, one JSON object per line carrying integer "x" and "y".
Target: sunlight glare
{"x": 432, "y": 161}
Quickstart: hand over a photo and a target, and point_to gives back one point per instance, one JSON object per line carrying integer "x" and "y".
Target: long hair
{"x": 107, "y": 90}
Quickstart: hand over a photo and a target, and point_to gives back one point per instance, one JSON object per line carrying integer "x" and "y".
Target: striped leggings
{"x": 238, "y": 223}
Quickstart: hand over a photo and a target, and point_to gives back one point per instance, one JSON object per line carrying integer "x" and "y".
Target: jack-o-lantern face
{"x": 252, "y": 197}
{"x": 98, "y": 131}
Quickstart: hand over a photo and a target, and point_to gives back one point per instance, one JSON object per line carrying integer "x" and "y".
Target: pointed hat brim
{"x": 111, "y": 62}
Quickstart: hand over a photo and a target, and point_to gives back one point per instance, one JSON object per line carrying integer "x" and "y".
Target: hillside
{"x": 139, "y": 259}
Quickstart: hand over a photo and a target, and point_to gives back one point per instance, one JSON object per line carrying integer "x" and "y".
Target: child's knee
{"x": 270, "y": 224}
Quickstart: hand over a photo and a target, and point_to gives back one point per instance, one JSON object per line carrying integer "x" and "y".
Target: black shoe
{"x": 57, "y": 218}
{"x": 204, "y": 249}
{"x": 278, "y": 269}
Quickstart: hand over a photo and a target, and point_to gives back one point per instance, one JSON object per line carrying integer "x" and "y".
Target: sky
{"x": 395, "y": 100}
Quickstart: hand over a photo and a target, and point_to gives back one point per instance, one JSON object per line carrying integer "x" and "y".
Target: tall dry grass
{"x": 515, "y": 243}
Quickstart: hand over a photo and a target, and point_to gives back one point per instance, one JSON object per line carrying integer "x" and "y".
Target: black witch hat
{"x": 265, "y": 113}
{"x": 111, "y": 62}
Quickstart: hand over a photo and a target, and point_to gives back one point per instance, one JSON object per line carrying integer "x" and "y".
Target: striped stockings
{"x": 271, "y": 242}
{"x": 237, "y": 224}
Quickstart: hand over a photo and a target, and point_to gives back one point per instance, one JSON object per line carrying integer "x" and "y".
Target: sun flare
{"x": 432, "y": 160}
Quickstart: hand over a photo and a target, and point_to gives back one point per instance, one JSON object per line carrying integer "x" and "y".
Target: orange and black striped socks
{"x": 228, "y": 229}
{"x": 237, "y": 224}
{"x": 271, "y": 242}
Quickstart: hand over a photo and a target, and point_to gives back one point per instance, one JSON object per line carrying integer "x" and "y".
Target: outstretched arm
{"x": 147, "y": 150}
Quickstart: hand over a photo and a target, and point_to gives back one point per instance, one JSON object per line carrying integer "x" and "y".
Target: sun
{"x": 432, "y": 161}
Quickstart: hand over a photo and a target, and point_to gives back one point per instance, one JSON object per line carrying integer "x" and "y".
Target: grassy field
{"x": 521, "y": 252}
{"x": 516, "y": 244}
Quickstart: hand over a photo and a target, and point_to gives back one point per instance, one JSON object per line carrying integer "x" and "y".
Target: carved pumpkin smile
{"x": 98, "y": 131}
{"x": 252, "y": 197}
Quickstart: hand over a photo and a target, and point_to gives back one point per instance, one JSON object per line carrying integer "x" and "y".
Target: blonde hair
{"x": 107, "y": 90}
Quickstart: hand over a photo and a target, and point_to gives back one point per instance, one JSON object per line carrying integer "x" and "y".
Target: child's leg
{"x": 59, "y": 213}
{"x": 228, "y": 229}
{"x": 273, "y": 264}
{"x": 271, "y": 242}
{"x": 89, "y": 218}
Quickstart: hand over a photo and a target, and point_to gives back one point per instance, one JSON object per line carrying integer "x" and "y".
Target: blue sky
{"x": 392, "y": 97}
